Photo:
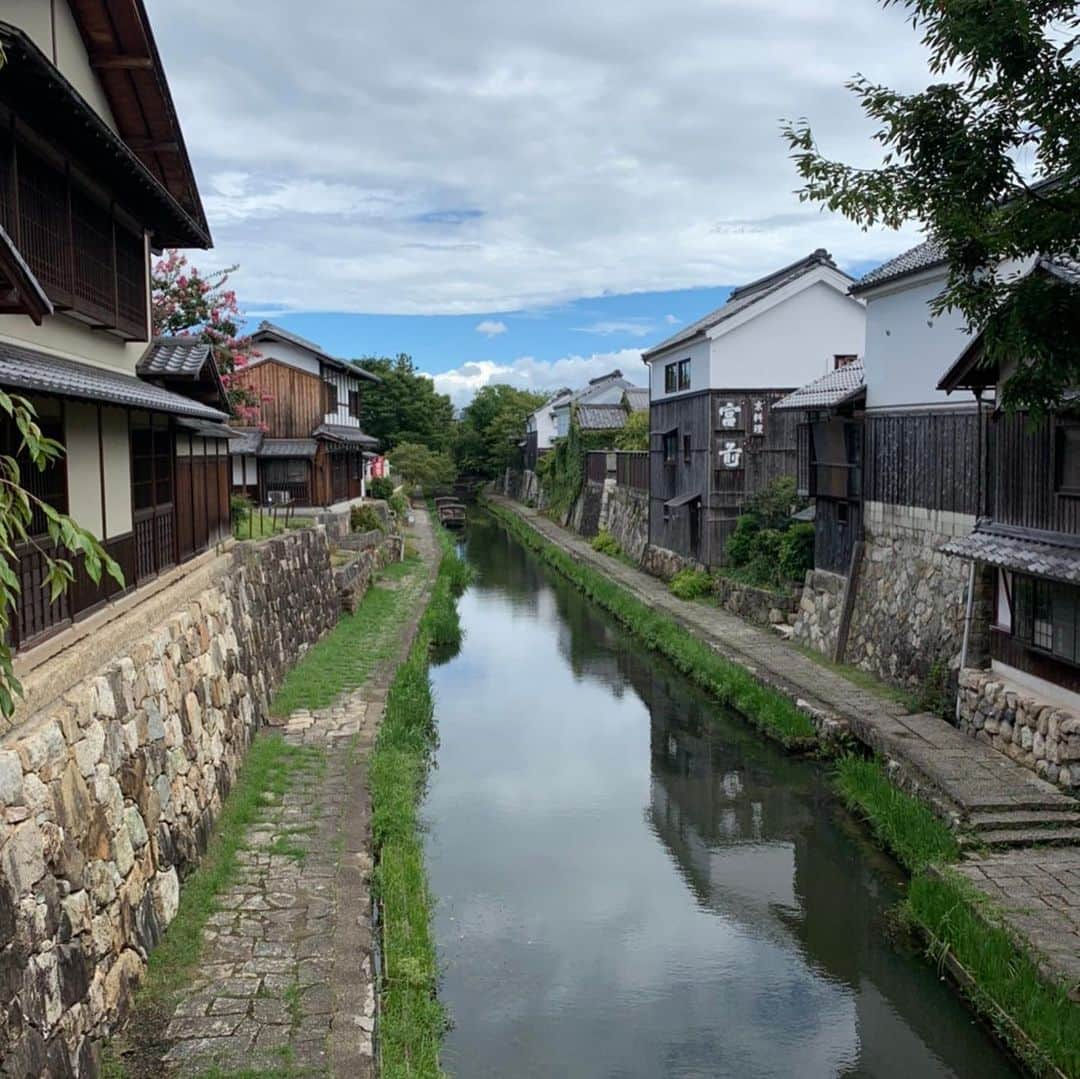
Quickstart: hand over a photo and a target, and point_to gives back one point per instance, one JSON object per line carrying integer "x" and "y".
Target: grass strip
{"x": 345, "y": 657}
{"x": 412, "y": 1020}
{"x": 769, "y": 711}
{"x": 907, "y": 827}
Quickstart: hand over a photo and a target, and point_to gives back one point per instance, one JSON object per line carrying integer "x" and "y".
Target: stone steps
{"x": 1043, "y": 820}
{"x": 1023, "y": 837}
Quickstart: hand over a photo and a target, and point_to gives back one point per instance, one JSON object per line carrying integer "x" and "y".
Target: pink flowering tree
{"x": 184, "y": 303}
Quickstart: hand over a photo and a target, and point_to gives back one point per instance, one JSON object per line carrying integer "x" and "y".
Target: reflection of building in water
{"x": 759, "y": 840}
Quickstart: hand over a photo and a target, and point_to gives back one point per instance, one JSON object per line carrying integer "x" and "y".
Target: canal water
{"x": 630, "y": 882}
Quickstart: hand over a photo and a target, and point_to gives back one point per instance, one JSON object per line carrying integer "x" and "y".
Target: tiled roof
{"x": 245, "y": 440}
{"x": 829, "y": 391}
{"x": 1018, "y": 553}
{"x": 288, "y": 447}
{"x": 340, "y": 433}
{"x": 637, "y": 397}
{"x": 1062, "y": 266}
{"x": 744, "y": 297}
{"x": 174, "y": 357}
{"x": 921, "y": 257}
{"x": 601, "y": 417}
{"x": 271, "y": 330}
{"x": 28, "y": 369}
{"x": 206, "y": 428}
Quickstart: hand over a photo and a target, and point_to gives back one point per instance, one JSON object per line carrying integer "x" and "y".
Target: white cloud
{"x": 635, "y": 327}
{"x": 516, "y": 156}
{"x": 672, "y": 320}
{"x": 491, "y": 327}
{"x": 529, "y": 373}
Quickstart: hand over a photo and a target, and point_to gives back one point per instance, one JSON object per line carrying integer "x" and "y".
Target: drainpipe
{"x": 970, "y": 606}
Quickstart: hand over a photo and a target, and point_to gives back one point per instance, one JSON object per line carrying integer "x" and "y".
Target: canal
{"x": 630, "y": 882}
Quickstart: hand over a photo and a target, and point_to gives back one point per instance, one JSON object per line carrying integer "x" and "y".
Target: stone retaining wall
{"x": 625, "y": 515}
{"x": 1041, "y": 736}
{"x": 763, "y": 606}
{"x": 662, "y": 563}
{"x": 820, "y": 607}
{"x": 108, "y": 795}
{"x": 354, "y": 577}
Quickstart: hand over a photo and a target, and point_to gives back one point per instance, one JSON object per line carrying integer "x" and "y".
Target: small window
{"x": 1046, "y": 615}
{"x": 354, "y": 404}
{"x": 677, "y": 376}
{"x": 842, "y": 514}
{"x": 331, "y": 397}
{"x": 686, "y": 449}
{"x": 667, "y": 514}
{"x": 1067, "y": 454}
{"x": 843, "y": 359}
{"x": 671, "y": 447}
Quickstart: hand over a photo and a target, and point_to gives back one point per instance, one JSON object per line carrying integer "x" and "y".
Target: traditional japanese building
{"x": 715, "y": 437}
{"x": 94, "y": 176}
{"x": 310, "y": 448}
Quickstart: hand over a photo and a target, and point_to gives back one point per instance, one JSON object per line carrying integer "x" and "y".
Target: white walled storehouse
{"x": 93, "y": 177}
{"x": 714, "y": 440}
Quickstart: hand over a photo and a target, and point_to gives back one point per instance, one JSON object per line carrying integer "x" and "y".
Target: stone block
{"x": 22, "y": 857}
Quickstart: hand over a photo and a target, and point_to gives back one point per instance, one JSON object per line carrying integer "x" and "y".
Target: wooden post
{"x": 850, "y": 591}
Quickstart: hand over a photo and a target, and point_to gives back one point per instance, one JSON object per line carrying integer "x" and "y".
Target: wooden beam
{"x": 152, "y": 146}
{"x": 120, "y": 62}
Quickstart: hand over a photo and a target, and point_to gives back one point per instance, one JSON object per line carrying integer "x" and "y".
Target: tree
{"x": 635, "y": 432}
{"x": 420, "y": 466}
{"x": 21, "y": 511}
{"x": 954, "y": 161}
{"x": 491, "y": 426}
{"x": 404, "y": 407}
{"x": 185, "y": 303}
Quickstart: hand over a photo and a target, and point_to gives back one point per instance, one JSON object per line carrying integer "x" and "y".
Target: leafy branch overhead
{"x": 986, "y": 161}
{"x": 23, "y": 513}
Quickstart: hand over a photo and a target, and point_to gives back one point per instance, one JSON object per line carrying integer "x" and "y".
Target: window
{"x": 1067, "y": 456}
{"x": 677, "y": 376}
{"x": 287, "y": 471}
{"x": 842, "y": 360}
{"x": 671, "y": 447}
{"x": 49, "y": 484}
{"x": 151, "y": 467}
{"x": 1045, "y": 615}
{"x": 331, "y": 397}
{"x": 686, "y": 449}
{"x": 354, "y": 404}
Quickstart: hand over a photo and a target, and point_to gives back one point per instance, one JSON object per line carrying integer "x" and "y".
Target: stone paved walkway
{"x": 965, "y": 778}
{"x": 286, "y": 980}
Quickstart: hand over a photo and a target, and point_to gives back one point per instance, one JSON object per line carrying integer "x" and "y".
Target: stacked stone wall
{"x": 626, "y": 516}
{"x": 763, "y": 606}
{"x": 820, "y": 608}
{"x": 109, "y": 793}
{"x": 1034, "y": 732}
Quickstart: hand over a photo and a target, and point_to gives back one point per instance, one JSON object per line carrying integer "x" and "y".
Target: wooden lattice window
{"x": 130, "y": 278}
{"x": 43, "y": 219}
{"x": 94, "y": 275}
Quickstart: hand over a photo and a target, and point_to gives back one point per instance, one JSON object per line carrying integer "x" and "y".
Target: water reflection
{"x": 631, "y": 885}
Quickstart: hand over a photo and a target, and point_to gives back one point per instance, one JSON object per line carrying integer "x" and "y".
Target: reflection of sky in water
{"x": 610, "y": 903}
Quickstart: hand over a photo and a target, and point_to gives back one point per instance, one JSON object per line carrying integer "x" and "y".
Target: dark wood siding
{"x": 924, "y": 459}
{"x": 298, "y": 398}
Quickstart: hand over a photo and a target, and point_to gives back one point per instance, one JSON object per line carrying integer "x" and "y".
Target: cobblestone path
{"x": 966, "y": 777}
{"x": 285, "y": 984}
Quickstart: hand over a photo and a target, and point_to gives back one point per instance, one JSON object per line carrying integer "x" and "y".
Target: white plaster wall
{"x": 698, "y": 355}
{"x": 117, "y": 446}
{"x": 791, "y": 343}
{"x": 288, "y": 353}
{"x": 344, "y": 383}
{"x": 239, "y": 462}
{"x": 83, "y": 465}
{"x": 66, "y": 337}
{"x": 544, "y": 426}
{"x": 36, "y": 18}
{"x": 907, "y": 350}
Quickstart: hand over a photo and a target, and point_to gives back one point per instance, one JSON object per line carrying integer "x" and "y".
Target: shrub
{"x": 400, "y": 505}
{"x": 240, "y": 507}
{"x": 740, "y": 545}
{"x": 364, "y": 519}
{"x": 606, "y": 543}
{"x": 797, "y": 551}
{"x": 774, "y": 504}
{"x": 691, "y": 584}
{"x": 380, "y": 487}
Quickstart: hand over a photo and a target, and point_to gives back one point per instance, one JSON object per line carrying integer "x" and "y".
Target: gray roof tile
{"x": 829, "y": 391}
{"x": 637, "y": 397}
{"x": 288, "y": 447}
{"x": 174, "y": 357}
{"x": 340, "y": 433}
{"x": 1023, "y": 554}
{"x": 601, "y": 417}
{"x": 245, "y": 440}
{"x": 745, "y": 296}
{"x": 921, "y": 257}
{"x": 271, "y": 330}
{"x": 37, "y": 372}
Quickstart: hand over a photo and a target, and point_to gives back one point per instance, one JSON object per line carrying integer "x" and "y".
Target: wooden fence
{"x": 632, "y": 470}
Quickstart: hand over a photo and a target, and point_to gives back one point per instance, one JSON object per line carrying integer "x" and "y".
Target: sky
{"x": 511, "y": 191}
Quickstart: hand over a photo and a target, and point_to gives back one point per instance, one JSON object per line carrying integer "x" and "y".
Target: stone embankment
{"x": 109, "y": 791}
{"x": 985, "y": 794}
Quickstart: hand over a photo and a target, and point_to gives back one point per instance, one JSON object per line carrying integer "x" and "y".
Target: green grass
{"x": 764, "y": 707}
{"x": 905, "y": 825}
{"x": 958, "y": 921}
{"x": 345, "y": 657}
{"x": 412, "y": 1020}
{"x": 261, "y": 525}
{"x": 863, "y": 679}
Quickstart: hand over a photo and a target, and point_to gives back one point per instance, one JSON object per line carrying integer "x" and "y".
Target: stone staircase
{"x": 1050, "y": 819}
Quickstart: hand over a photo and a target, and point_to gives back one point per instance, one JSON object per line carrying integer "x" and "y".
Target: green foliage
{"x": 606, "y": 543}
{"x": 403, "y": 406}
{"x": 740, "y": 545}
{"x": 421, "y": 467}
{"x": 381, "y": 487}
{"x": 486, "y": 438}
{"x": 796, "y": 551}
{"x": 774, "y": 504}
{"x": 936, "y": 693}
{"x": 19, "y": 511}
{"x": 959, "y": 923}
{"x": 690, "y": 584}
{"x": 903, "y": 824}
{"x": 765, "y": 708}
{"x": 960, "y": 158}
{"x": 240, "y": 508}
{"x": 400, "y": 505}
{"x": 365, "y": 519}
{"x": 562, "y": 470}
{"x": 635, "y": 433}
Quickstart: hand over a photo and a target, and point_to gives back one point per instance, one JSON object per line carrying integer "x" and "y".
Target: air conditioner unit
{"x": 278, "y": 498}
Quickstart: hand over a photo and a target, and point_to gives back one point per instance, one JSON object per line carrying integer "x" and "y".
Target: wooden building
{"x": 1028, "y": 528}
{"x": 93, "y": 177}
{"x": 310, "y": 449}
{"x": 715, "y": 438}
{"x": 830, "y": 449}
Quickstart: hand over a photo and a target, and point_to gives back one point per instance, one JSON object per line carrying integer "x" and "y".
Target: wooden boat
{"x": 451, "y": 512}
